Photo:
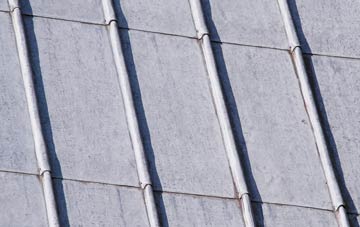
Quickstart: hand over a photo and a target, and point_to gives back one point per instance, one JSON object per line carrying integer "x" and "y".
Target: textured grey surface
{"x": 16, "y": 141}
{"x": 198, "y": 211}
{"x": 87, "y": 135}
{"x": 254, "y": 22}
{"x": 186, "y": 140}
{"x": 284, "y": 216}
{"x": 90, "y": 139}
{"x": 275, "y": 126}
{"x": 79, "y": 10}
{"x": 92, "y": 204}
{"x": 4, "y": 5}
{"x": 339, "y": 83}
{"x": 165, "y": 16}
{"x": 22, "y": 202}
{"x": 328, "y": 27}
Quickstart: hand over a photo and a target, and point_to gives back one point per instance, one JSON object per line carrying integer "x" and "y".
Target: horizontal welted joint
{"x": 144, "y": 185}
{"x": 13, "y": 4}
{"x": 43, "y": 171}
{"x": 293, "y": 47}
{"x": 109, "y": 12}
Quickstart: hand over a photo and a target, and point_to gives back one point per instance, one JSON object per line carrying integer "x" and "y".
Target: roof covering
{"x": 84, "y": 121}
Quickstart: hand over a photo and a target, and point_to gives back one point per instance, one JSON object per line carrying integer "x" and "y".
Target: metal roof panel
{"x": 198, "y": 211}
{"x": 82, "y": 107}
{"x": 328, "y": 27}
{"x": 92, "y": 204}
{"x": 282, "y": 215}
{"x": 16, "y": 139}
{"x": 186, "y": 143}
{"x": 165, "y": 16}
{"x": 253, "y": 22}
{"x": 272, "y": 126}
{"x": 80, "y": 10}
{"x": 22, "y": 202}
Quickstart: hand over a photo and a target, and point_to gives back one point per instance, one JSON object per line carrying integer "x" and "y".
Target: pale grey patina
{"x": 93, "y": 140}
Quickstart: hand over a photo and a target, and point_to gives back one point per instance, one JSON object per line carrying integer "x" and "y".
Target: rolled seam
{"x": 131, "y": 118}
{"x": 295, "y": 50}
{"x": 221, "y": 110}
{"x": 40, "y": 147}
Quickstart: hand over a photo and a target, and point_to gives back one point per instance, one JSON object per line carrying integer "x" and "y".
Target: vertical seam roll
{"x": 305, "y": 87}
{"x": 132, "y": 121}
{"x": 222, "y": 114}
{"x": 40, "y": 146}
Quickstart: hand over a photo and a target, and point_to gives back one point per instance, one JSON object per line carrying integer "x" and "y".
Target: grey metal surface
{"x": 328, "y": 27}
{"x": 165, "y": 16}
{"x": 22, "y": 202}
{"x": 16, "y": 140}
{"x": 276, "y": 137}
{"x": 92, "y": 204}
{"x": 4, "y": 5}
{"x": 186, "y": 145}
{"x": 339, "y": 81}
{"x": 83, "y": 115}
{"x": 79, "y": 10}
{"x": 198, "y": 211}
{"x": 284, "y": 216}
{"x": 254, "y": 22}
{"x": 87, "y": 134}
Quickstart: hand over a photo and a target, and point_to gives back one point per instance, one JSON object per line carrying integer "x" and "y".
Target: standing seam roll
{"x": 141, "y": 162}
{"x": 40, "y": 147}
{"x": 223, "y": 117}
{"x": 305, "y": 87}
